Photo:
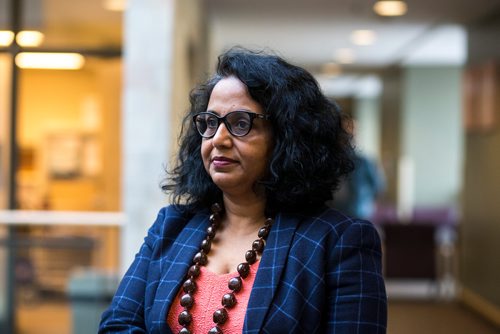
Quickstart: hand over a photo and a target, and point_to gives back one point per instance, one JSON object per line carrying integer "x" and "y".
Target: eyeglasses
{"x": 239, "y": 122}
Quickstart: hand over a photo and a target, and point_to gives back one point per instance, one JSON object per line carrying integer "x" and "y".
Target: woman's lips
{"x": 222, "y": 161}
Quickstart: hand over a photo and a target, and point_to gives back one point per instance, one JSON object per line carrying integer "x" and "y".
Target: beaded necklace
{"x": 220, "y": 316}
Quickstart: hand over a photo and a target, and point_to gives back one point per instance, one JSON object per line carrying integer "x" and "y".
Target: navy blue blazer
{"x": 318, "y": 274}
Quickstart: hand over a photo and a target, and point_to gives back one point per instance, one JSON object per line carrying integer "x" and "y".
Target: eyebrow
{"x": 245, "y": 110}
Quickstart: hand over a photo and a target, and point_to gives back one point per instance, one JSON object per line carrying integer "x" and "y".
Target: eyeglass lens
{"x": 239, "y": 123}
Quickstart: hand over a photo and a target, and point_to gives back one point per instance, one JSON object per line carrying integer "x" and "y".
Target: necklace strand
{"x": 220, "y": 316}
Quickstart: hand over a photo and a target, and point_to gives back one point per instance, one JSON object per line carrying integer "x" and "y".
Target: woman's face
{"x": 236, "y": 163}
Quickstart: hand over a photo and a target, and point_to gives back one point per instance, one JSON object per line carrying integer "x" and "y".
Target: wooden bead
{"x": 200, "y": 258}
{"x": 215, "y": 330}
{"x": 185, "y": 318}
{"x": 184, "y": 330}
{"x": 210, "y": 232}
{"x": 251, "y": 256}
{"x": 258, "y": 245}
{"x": 243, "y": 269}
{"x": 228, "y": 300}
{"x": 216, "y": 208}
{"x": 194, "y": 271}
{"x": 189, "y": 286}
{"x": 206, "y": 245}
{"x": 220, "y": 316}
{"x": 263, "y": 232}
{"x": 235, "y": 284}
{"x": 187, "y": 301}
{"x": 269, "y": 222}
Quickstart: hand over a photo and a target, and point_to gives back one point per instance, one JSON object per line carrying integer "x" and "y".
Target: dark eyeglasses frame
{"x": 223, "y": 119}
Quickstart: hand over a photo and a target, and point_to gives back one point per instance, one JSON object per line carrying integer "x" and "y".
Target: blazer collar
{"x": 175, "y": 265}
{"x": 270, "y": 269}
{"x": 266, "y": 281}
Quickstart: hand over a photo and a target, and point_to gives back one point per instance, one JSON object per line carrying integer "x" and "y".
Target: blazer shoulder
{"x": 329, "y": 220}
{"x": 170, "y": 220}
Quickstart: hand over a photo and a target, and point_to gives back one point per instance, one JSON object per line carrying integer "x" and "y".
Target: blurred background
{"x": 92, "y": 95}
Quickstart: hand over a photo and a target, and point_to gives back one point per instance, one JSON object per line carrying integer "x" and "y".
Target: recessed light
{"x": 29, "y": 38}
{"x": 363, "y": 37}
{"x": 390, "y": 7}
{"x": 50, "y": 60}
{"x": 344, "y": 56}
{"x": 115, "y": 5}
{"x": 6, "y": 37}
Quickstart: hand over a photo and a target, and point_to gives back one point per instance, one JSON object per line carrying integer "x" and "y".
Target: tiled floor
{"x": 404, "y": 318}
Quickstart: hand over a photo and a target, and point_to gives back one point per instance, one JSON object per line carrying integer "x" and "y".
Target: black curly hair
{"x": 312, "y": 149}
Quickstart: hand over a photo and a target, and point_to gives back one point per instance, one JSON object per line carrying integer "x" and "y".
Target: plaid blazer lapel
{"x": 175, "y": 263}
{"x": 270, "y": 269}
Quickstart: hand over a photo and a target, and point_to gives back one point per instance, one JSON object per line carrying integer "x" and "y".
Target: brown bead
{"x": 228, "y": 300}
{"x": 206, "y": 245}
{"x": 269, "y": 222}
{"x": 243, "y": 269}
{"x": 210, "y": 232}
{"x": 184, "y": 330}
{"x": 187, "y": 301}
{"x": 216, "y": 208}
{"x": 194, "y": 271}
{"x": 189, "y": 286}
{"x": 185, "y": 318}
{"x": 251, "y": 256}
{"x": 200, "y": 258}
{"x": 263, "y": 232}
{"x": 220, "y": 316}
{"x": 235, "y": 284}
{"x": 258, "y": 245}
{"x": 215, "y": 330}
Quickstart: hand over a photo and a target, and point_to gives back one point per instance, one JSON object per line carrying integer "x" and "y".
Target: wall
{"x": 161, "y": 61}
{"x": 432, "y": 133}
{"x": 391, "y": 104}
{"x": 367, "y": 114}
{"x": 480, "y": 228}
{"x": 190, "y": 58}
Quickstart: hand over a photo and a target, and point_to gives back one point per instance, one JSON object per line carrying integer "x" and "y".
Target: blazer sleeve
{"x": 357, "y": 299}
{"x": 126, "y": 312}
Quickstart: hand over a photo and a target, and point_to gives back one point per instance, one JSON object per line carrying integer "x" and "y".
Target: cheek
{"x": 205, "y": 153}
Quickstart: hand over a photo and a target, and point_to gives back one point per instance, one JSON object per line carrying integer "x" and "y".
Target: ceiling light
{"x": 390, "y": 8}
{"x": 47, "y": 60}
{"x": 345, "y": 56}
{"x": 6, "y": 37}
{"x": 29, "y": 38}
{"x": 115, "y": 5}
{"x": 363, "y": 37}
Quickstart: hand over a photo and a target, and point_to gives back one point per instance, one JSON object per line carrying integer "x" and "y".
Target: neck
{"x": 243, "y": 216}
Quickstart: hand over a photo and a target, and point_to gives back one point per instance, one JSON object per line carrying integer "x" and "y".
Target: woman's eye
{"x": 211, "y": 122}
{"x": 242, "y": 124}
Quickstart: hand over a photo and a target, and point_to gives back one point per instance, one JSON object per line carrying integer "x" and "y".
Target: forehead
{"x": 230, "y": 94}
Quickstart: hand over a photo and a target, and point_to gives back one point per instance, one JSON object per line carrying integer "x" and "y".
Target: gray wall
{"x": 480, "y": 228}
{"x": 432, "y": 133}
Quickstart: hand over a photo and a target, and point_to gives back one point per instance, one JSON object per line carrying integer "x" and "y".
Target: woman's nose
{"x": 222, "y": 136}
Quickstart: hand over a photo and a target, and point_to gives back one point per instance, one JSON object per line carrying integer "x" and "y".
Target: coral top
{"x": 207, "y": 299}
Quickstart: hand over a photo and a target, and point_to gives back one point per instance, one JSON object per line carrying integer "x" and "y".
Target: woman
{"x": 249, "y": 245}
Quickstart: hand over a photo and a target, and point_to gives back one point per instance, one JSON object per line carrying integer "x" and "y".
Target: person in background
{"x": 248, "y": 245}
{"x": 359, "y": 191}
